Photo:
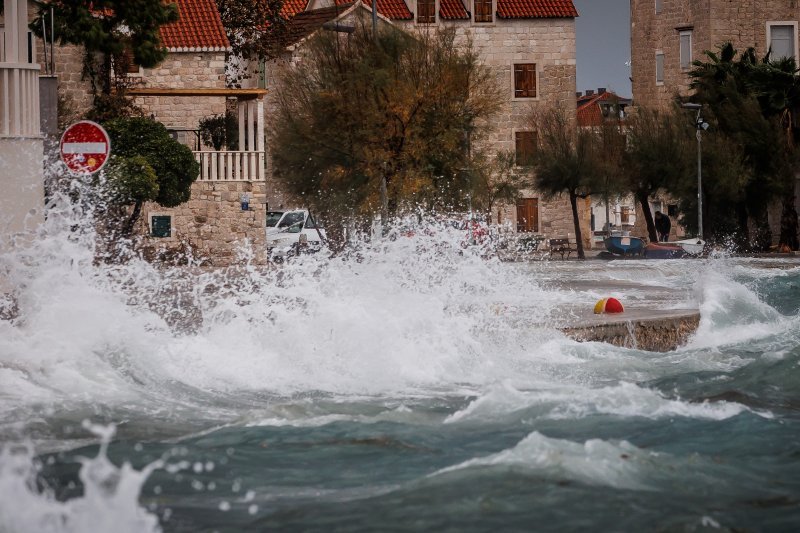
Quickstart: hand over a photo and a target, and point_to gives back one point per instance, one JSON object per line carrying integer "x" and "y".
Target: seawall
{"x": 653, "y": 331}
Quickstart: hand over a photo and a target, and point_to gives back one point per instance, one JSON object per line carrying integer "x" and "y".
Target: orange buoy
{"x": 608, "y": 305}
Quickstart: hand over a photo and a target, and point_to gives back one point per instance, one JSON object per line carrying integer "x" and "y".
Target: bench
{"x": 561, "y": 246}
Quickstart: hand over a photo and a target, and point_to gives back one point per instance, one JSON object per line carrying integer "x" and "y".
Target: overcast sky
{"x": 604, "y": 45}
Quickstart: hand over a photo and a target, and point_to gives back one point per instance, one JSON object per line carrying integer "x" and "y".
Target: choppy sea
{"x": 410, "y": 387}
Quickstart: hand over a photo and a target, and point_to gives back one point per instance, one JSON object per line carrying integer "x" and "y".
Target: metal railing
{"x": 231, "y": 166}
{"x": 19, "y": 100}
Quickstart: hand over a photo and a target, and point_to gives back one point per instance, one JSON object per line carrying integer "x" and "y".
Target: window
{"x": 658, "y": 6}
{"x": 525, "y": 145}
{"x": 686, "y": 49}
{"x": 528, "y": 215}
{"x": 625, "y": 215}
{"x": 659, "y": 68}
{"x": 525, "y": 80}
{"x": 161, "y": 226}
{"x": 426, "y": 11}
{"x": 781, "y": 39}
{"x": 483, "y": 10}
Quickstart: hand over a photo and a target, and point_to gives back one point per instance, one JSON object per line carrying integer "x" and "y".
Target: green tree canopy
{"x": 358, "y": 110}
{"x": 751, "y": 104}
{"x": 109, "y": 30}
{"x": 142, "y": 146}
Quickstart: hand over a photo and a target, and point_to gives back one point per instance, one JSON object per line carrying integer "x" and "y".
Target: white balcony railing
{"x": 19, "y": 100}
{"x": 231, "y": 166}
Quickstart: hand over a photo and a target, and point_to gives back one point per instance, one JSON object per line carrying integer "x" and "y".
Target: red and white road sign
{"x": 85, "y": 147}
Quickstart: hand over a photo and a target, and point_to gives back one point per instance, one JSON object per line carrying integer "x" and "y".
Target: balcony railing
{"x": 231, "y": 166}
{"x": 19, "y": 100}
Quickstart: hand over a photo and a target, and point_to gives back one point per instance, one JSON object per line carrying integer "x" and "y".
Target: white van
{"x": 287, "y": 229}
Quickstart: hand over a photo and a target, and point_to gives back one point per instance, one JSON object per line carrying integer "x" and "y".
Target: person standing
{"x": 663, "y": 226}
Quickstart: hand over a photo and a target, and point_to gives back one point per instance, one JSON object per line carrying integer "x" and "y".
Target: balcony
{"x": 231, "y": 165}
{"x": 19, "y": 100}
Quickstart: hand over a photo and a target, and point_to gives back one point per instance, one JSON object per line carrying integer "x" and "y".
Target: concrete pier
{"x": 653, "y": 331}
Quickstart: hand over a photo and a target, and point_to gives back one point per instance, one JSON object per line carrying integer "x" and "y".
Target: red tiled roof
{"x": 453, "y": 10}
{"x": 307, "y": 22}
{"x": 391, "y": 9}
{"x": 198, "y": 26}
{"x": 589, "y": 111}
{"x": 293, "y": 7}
{"x": 525, "y": 9}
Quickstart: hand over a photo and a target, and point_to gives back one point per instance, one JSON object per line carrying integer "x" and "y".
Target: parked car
{"x": 291, "y": 232}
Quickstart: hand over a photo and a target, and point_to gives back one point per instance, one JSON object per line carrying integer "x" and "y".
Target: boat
{"x": 691, "y": 246}
{"x": 664, "y": 250}
{"x": 624, "y": 245}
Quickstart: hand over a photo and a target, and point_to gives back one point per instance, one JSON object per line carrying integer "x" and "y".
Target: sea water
{"x": 411, "y": 385}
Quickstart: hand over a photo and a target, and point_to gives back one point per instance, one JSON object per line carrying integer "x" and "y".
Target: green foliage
{"x": 220, "y": 131}
{"x": 497, "y": 180}
{"x": 172, "y": 162}
{"x": 567, "y": 162}
{"x": 131, "y": 180}
{"x": 750, "y": 105}
{"x": 109, "y": 30}
{"x": 356, "y": 111}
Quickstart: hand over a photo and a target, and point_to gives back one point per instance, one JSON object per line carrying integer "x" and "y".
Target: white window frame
{"x": 660, "y": 53}
{"x": 681, "y": 35}
{"x": 793, "y": 23}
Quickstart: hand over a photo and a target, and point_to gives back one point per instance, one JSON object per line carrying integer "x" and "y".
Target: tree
{"x": 751, "y": 103}
{"x": 497, "y": 180}
{"x": 566, "y": 161}
{"x": 112, "y": 33}
{"x": 256, "y": 29}
{"x": 220, "y": 131}
{"x": 656, "y": 157}
{"x": 357, "y": 111}
{"x": 141, "y": 147}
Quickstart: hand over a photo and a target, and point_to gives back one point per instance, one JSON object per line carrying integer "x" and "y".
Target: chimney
{"x": 601, "y": 90}
{"x": 589, "y": 92}
{"x": 578, "y": 94}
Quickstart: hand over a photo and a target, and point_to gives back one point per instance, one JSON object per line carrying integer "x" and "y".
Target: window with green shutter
{"x": 161, "y": 226}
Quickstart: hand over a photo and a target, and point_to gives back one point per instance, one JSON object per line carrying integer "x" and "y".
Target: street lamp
{"x": 700, "y": 125}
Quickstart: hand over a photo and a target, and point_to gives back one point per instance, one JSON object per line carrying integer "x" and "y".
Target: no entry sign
{"x": 85, "y": 147}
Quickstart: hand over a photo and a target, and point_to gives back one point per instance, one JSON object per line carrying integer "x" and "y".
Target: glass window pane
{"x": 659, "y": 68}
{"x": 782, "y": 41}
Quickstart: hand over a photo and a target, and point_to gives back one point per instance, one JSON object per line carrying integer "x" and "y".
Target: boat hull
{"x": 663, "y": 250}
{"x": 624, "y": 245}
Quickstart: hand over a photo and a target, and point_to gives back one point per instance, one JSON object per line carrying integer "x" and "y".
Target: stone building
{"x": 186, "y": 87}
{"x": 530, "y": 47}
{"x": 667, "y": 35}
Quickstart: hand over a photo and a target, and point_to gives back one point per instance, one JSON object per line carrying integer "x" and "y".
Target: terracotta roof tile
{"x": 523, "y": 9}
{"x": 293, "y": 7}
{"x": 307, "y": 22}
{"x": 453, "y": 10}
{"x": 391, "y": 9}
{"x": 198, "y": 26}
{"x": 590, "y": 113}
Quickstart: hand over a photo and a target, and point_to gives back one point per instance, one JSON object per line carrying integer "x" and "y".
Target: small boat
{"x": 664, "y": 250}
{"x": 624, "y": 245}
{"x": 691, "y": 246}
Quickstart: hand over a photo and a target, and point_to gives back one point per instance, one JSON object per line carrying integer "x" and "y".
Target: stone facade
{"x": 549, "y": 43}
{"x": 711, "y": 23}
{"x": 212, "y": 224}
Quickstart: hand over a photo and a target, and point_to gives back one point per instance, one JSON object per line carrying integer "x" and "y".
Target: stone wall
{"x": 212, "y": 224}
{"x": 713, "y": 22}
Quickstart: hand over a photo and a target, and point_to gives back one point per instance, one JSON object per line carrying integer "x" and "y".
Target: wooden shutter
{"x": 525, "y": 80}
{"x": 525, "y": 144}
{"x": 483, "y": 10}
{"x": 528, "y": 215}
{"x": 426, "y": 11}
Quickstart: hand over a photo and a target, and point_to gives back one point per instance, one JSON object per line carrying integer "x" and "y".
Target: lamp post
{"x": 699, "y": 125}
